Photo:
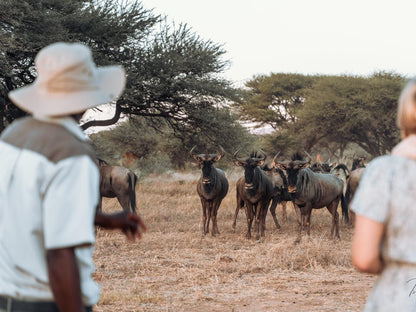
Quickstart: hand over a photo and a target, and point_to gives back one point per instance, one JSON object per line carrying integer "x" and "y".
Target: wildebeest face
{"x": 291, "y": 170}
{"x": 249, "y": 172}
{"x": 249, "y": 165}
{"x": 206, "y": 162}
{"x": 207, "y": 167}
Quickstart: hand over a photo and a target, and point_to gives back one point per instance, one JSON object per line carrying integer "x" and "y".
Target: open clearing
{"x": 173, "y": 268}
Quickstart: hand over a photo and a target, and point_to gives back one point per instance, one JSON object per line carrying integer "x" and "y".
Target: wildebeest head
{"x": 358, "y": 163}
{"x": 291, "y": 168}
{"x": 206, "y": 162}
{"x": 249, "y": 164}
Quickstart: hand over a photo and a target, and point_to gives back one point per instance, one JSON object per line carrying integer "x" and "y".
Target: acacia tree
{"x": 273, "y": 100}
{"x": 333, "y": 111}
{"x": 171, "y": 71}
{"x": 343, "y": 109}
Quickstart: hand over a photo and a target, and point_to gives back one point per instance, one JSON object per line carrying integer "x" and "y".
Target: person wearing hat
{"x": 49, "y": 185}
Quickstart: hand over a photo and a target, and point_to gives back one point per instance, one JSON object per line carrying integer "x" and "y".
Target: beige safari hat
{"x": 68, "y": 82}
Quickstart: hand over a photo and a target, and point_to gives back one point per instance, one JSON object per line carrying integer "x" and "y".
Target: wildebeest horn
{"x": 273, "y": 164}
{"x": 237, "y": 161}
{"x": 264, "y": 155}
{"x": 309, "y": 156}
{"x": 194, "y": 156}
{"x": 220, "y": 155}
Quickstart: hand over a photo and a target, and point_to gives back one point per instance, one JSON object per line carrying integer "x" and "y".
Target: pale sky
{"x": 355, "y": 37}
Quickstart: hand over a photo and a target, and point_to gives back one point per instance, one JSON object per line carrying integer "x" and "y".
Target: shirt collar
{"x": 67, "y": 122}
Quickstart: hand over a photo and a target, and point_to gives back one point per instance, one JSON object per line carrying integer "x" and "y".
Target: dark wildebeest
{"x": 120, "y": 182}
{"x": 313, "y": 191}
{"x": 212, "y": 187}
{"x": 281, "y": 194}
{"x": 254, "y": 192}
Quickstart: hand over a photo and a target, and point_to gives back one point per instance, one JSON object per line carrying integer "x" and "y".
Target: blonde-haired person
{"x": 49, "y": 186}
{"x": 384, "y": 240}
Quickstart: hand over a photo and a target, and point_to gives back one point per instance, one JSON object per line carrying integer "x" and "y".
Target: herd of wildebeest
{"x": 307, "y": 185}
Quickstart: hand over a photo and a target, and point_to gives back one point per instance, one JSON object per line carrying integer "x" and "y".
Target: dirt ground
{"x": 175, "y": 268}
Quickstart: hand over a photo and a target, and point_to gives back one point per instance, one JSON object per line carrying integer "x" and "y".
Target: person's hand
{"x": 130, "y": 224}
{"x": 133, "y": 227}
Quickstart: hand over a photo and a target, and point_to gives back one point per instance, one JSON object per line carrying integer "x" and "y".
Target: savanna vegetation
{"x": 175, "y": 97}
{"x": 173, "y": 268}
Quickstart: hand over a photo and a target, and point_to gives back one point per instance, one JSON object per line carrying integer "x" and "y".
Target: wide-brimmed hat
{"x": 68, "y": 82}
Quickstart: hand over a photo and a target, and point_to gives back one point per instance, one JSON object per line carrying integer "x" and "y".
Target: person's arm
{"x": 365, "y": 251}
{"x": 64, "y": 279}
{"x": 130, "y": 224}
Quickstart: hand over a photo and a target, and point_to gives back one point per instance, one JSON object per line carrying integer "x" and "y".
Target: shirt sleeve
{"x": 372, "y": 198}
{"x": 70, "y": 202}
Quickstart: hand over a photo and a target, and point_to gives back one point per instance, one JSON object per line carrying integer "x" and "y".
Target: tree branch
{"x": 103, "y": 123}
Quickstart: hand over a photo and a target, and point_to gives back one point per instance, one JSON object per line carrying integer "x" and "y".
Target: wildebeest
{"x": 313, "y": 191}
{"x": 358, "y": 163}
{"x": 319, "y": 165}
{"x": 212, "y": 187}
{"x": 254, "y": 192}
{"x": 352, "y": 186}
{"x": 281, "y": 194}
{"x": 120, "y": 182}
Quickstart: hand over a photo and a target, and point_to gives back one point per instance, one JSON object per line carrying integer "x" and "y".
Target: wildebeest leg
{"x": 273, "y": 211}
{"x": 284, "y": 214}
{"x": 249, "y": 215}
{"x": 215, "y": 206}
{"x": 297, "y": 212}
{"x": 213, "y": 212}
{"x": 124, "y": 201}
{"x": 257, "y": 211}
{"x": 204, "y": 216}
{"x": 209, "y": 214}
{"x": 308, "y": 221}
{"x": 240, "y": 204}
{"x": 263, "y": 214}
{"x": 300, "y": 221}
{"x": 352, "y": 217}
{"x": 332, "y": 208}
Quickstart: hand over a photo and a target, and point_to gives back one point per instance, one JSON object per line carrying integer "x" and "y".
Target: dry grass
{"x": 174, "y": 269}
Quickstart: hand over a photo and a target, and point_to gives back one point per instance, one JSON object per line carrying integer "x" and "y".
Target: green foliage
{"x": 326, "y": 112}
{"x": 158, "y": 148}
{"x": 171, "y": 71}
{"x": 274, "y": 100}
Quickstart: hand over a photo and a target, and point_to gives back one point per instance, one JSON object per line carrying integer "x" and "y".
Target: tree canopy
{"x": 326, "y": 112}
{"x": 172, "y": 73}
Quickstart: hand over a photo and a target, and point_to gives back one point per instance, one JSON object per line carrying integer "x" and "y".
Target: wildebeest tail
{"x": 347, "y": 194}
{"x": 132, "y": 190}
{"x": 344, "y": 208}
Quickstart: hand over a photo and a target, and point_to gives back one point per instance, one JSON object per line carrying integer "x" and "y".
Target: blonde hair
{"x": 406, "y": 112}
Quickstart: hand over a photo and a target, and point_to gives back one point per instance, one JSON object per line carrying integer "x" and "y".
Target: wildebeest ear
{"x": 280, "y": 166}
{"x": 261, "y": 162}
{"x": 238, "y": 163}
{"x": 304, "y": 165}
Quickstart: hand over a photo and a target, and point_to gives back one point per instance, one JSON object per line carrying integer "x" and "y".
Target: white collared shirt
{"x": 49, "y": 189}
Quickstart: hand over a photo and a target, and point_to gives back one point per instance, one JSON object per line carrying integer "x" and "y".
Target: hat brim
{"x": 110, "y": 83}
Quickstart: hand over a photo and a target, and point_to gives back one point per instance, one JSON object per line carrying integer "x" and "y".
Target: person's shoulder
{"x": 52, "y": 141}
